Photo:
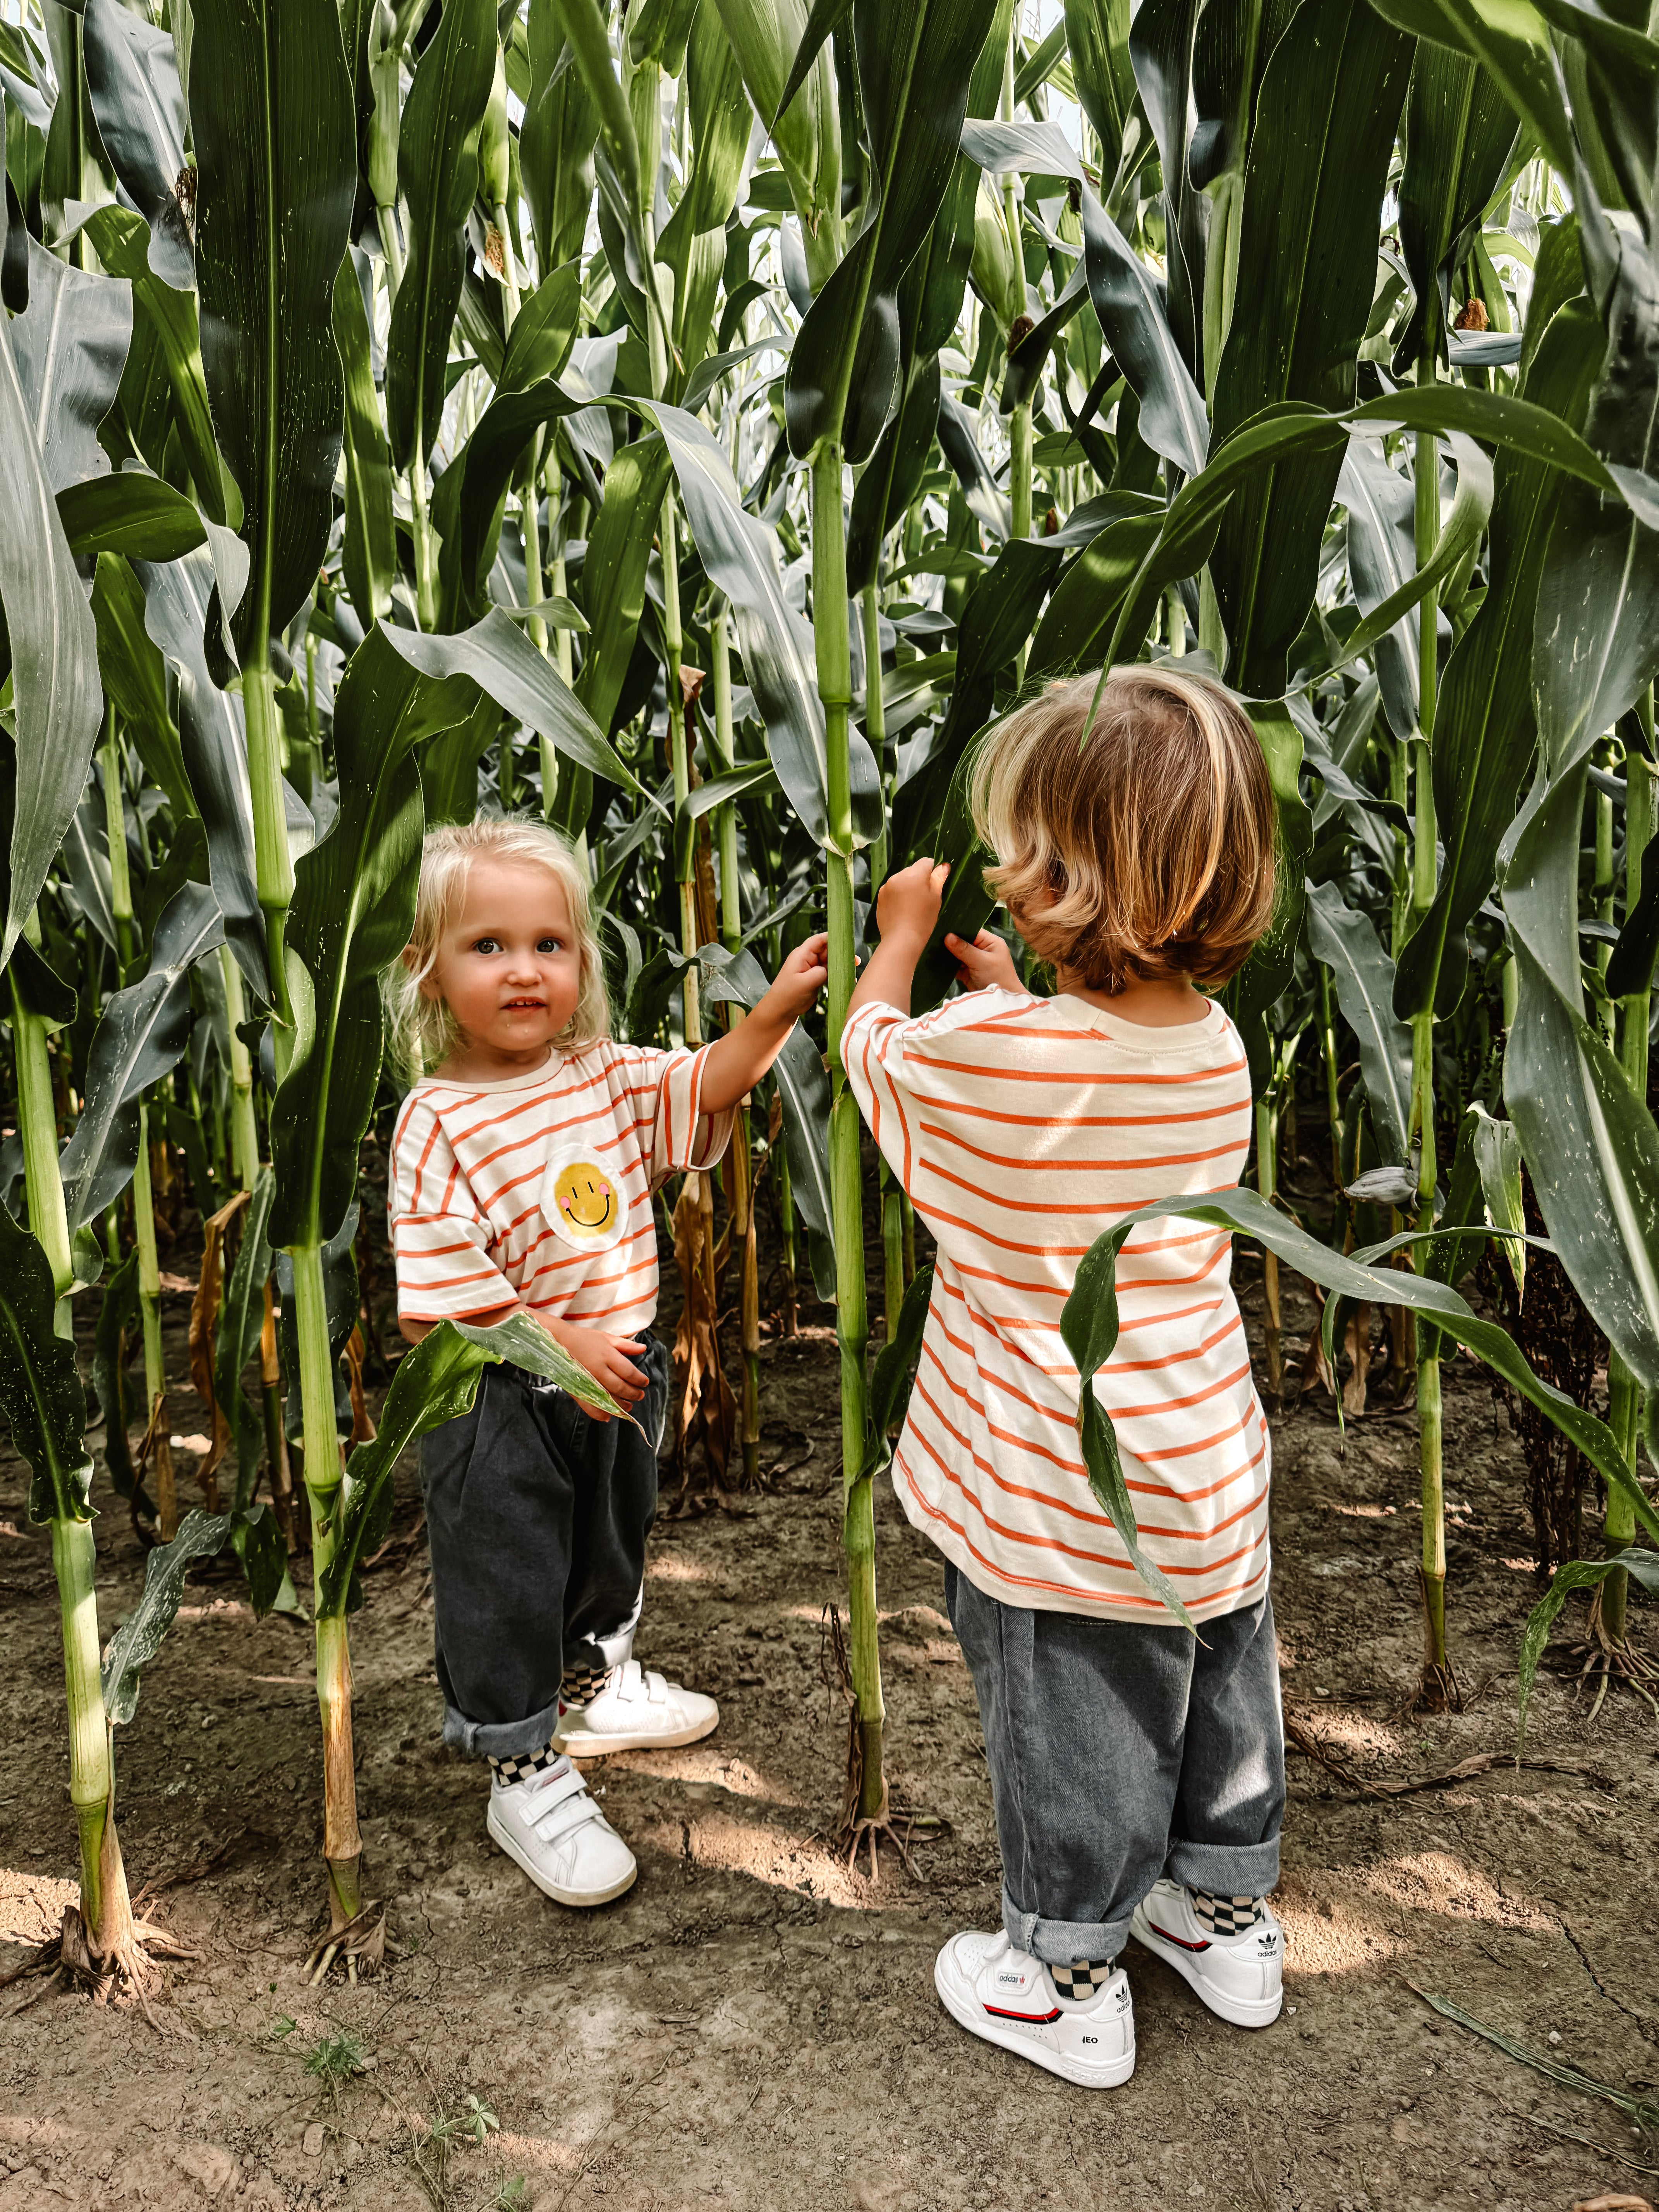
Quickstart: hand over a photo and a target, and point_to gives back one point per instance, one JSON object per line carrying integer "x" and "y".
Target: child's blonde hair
{"x": 423, "y": 1031}
{"x": 1145, "y": 851}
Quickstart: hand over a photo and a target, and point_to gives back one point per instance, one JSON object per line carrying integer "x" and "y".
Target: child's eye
{"x": 549, "y": 944}
{"x": 487, "y": 945}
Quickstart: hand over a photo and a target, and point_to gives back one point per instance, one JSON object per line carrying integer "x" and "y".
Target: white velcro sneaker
{"x": 548, "y": 1826}
{"x": 635, "y": 1711}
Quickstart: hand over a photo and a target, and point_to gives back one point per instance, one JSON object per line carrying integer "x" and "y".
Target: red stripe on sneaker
{"x": 1179, "y": 1939}
{"x": 1032, "y": 2019}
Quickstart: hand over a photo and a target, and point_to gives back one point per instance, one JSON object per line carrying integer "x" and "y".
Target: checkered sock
{"x": 522, "y": 1765}
{"x": 582, "y": 1683}
{"x": 1081, "y": 1982}
{"x": 1225, "y": 1915}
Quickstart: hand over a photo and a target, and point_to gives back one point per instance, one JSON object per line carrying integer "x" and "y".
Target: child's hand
{"x": 799, "y": 980}
{"x": 608, "y": 1360}
{"x": 908, "y": 904}
{"x": 986, "y": 964}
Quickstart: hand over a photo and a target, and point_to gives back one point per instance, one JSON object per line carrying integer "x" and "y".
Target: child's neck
{"x": 474, "y": 1062}
{"x": 1171, "y": 1003}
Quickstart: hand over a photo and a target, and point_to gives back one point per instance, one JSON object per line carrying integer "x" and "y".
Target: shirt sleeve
{"x": 894, "y": 1071}
{"x": 676, "y": 1135}
{"x": 440, "y": 1241}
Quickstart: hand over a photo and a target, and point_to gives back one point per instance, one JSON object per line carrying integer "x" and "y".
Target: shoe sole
{"x": 1239, "y": 2011}
{"x": 583, "y": 1745}
{"x": 977, "y": 2022}
{"x": 579, "y": 1898}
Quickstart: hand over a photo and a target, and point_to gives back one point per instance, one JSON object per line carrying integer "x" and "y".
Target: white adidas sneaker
{"x": 1007, "y": 1997}
{"x": 1240, "y": 1978}
{"x": 548, "y": 1826}
{"x": 635, "y": 1711}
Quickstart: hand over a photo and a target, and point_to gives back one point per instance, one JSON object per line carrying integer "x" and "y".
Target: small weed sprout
{"x": 512, "y": 2197}
{"x": 336, "y": 2058}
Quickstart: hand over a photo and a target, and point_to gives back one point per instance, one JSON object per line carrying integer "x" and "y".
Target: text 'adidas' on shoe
{"x": 550, "y": 1825}
{"x": 635, "y": 1711}
{"x": 1240, "y": 1978}
{"x": 1007, "y": 1997}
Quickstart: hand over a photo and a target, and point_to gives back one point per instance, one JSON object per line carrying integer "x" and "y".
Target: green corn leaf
{"x": 556, "y": 141}
{"x": 132, "y": 81}
{"x": 1345, "y": 940}
{"x": 1483, "y": 730}
{"x": 1317, "y": 168}
{"x": 121, "y": 239}
{"x": 1160, "y": 53}
{"x": 890, "y": 1382}
{"x": 178, "y": 597}
{"x": 1083, "y": 607}
{"x": 70, "y": 346}
{"x": 134, "y": 513}
{"x": 766, "y": 35}
{"x": 613, "y": 574}
{"x": 56, "y": 698}
{"x": 1172, "y": 419}
{"x": 141, "y": 1034}
{"x": 1097, "y": 43}
{"x": 1512, "y": 40}
{"x": 40, "y": 1392}
{"x": 242, "y": 1316}
{"x": 138, "y": 1638}
{"x": 436, "y": 1382}
{"x": 1574, "y": 1575}
{"x": 438, "y": 171}
{"x": 692, "y": 244}
{"x": 914, "y": 63}
{"x": 118, "y": 1333}
{"x": 274, "y": 121}
{"x": 370, "y": 551}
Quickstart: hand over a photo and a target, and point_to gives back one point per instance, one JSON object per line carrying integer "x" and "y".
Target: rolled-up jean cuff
{"x": 1057, "y": 1942}
{"x": 1226, "y": 1869}
{"x": 502, "y": 1739}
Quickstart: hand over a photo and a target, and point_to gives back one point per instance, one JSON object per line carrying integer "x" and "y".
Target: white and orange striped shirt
{"x": 538, "y": 1187}
{"x": 1022, "y": 1128}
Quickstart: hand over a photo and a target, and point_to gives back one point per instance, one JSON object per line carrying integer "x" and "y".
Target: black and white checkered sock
{"x": 582, "y": 1683}
{"x": 1081, "y": 1982}
{"x": 1225, "y": 1915}
{"x": 522, "y": 1765}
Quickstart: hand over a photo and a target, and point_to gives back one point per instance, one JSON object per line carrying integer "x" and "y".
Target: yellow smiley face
{"x": 586, "y": 1199}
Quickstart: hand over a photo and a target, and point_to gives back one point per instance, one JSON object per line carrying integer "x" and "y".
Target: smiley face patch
{"x": 581, "y": 1203}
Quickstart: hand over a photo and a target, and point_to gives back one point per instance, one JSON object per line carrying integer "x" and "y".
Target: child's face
{"x": 508, "y": 968}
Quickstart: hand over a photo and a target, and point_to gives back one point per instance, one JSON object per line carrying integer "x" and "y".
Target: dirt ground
{"x": 754, "y": 2026}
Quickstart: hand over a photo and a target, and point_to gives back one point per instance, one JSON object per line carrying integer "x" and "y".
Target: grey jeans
{"x": 1120, "y": 1751}
{"x": 537, "y": 1518}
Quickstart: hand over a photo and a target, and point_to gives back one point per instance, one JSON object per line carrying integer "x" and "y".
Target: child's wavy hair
{"x": 1143, "y": 850}
{"x": 422, "y": 1031}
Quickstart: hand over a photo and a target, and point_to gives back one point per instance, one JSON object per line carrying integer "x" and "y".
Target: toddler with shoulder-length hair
{"x": 1137, "y": 1770}
{"x": 524, "y": 1164}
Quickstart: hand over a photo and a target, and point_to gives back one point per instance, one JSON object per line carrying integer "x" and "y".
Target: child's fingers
{"x": 936, "y": 878}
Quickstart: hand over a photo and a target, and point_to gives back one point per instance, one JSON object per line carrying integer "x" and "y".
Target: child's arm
{"x": 907, "y": 913}
{"x": 735, "y": 1063}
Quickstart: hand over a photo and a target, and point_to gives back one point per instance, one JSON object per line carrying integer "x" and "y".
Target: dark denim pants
{"x": 537, "y": 1518}
{"x": 1120, "y": 1751}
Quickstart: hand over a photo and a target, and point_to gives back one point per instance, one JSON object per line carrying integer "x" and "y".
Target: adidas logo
{"x": 1266, "y": 1945}
{"x": 1012, "y": 1981}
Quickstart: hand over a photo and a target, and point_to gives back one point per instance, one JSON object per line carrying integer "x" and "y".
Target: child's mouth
{"x": 524, "y": 1006}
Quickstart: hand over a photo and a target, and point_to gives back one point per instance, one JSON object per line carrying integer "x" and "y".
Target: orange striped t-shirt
{"x": 538, "y": 1187}
{"x": 1022, "y": 1128}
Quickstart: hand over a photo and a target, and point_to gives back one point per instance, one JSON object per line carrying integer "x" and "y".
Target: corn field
{"x": 693, "y": 426}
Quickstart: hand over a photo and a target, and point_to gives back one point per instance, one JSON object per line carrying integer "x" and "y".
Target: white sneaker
{"x": 550, "y": 1825}
{"x": 635, "y": 1711}
{"x": 1002, "y": 1994}
{"x": 1241, "y": 1977}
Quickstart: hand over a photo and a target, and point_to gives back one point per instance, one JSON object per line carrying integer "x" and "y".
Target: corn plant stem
{"x": 875, "y": 721}
{"x": 342, "y": 1845}
{"x": 1332, "y": 1085}
{"x": 743, "y": 1228}
{"x": 679, "y": 750}
{"x": 1430, "y": 1424}
{"x": 105, "y": 1905}
{"x": 115, "y": 828}
{"x": 833, "y": 642}
{"x": 1266, "y": 1162}
{"x": 786, "y": 1241}
{"x": 244, "y": 1123}
{"x": 271, "y": 1399}
{"x": 37, "y": 1114}
{"x": 1624, "y": 1392}
{"x": 149, "y": 1314}
{"x": 426, "y": 564}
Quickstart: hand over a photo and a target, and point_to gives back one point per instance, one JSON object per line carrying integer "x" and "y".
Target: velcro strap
{"x": 571, "y": 1813}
